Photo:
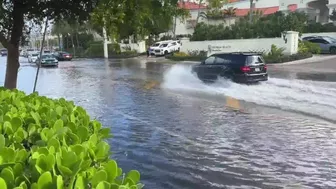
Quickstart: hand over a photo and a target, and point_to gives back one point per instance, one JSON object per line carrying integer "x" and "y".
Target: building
{"x": 318, "y": 10}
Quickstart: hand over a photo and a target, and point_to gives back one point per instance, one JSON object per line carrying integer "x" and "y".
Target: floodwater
{"x": 178, "y": 132}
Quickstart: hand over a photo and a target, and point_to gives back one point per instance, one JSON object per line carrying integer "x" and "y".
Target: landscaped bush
{"x": 307, "y": 46}
{"x": 262, "y": 27}
{"x": 46, "y": 143}
{"x": 276, "y": 55}
{"x": 191, "y": 56}
{"x": 96, "y": 50}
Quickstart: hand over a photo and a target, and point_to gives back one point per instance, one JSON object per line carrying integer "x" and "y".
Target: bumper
{"x": 159, "y": 53}
{"x": 250, "y": 78}
{"x": 49, "y": 64}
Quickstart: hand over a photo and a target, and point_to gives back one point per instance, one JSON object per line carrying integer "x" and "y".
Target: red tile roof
{"x": 191, "y": 5}
{"x": 266, "y": 11}
{"x": 292, "y": 7}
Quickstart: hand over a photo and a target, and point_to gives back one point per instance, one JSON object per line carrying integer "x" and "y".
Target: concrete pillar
{"x": 105, "y": 43}
{"x": 291, "y": 39}
{"x": 317, "y": 12}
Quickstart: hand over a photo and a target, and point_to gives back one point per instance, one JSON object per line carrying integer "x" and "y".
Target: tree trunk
{"x": 251, "y": 11}
{"x": 13, "y": 46}
{"x": 77, "y": 40}
{"x": 73, "y": 45}
{"x": 12, "y": 67}
{"x": 59, "y": 42}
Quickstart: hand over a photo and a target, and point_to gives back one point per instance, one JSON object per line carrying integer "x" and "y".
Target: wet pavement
{"x": 182, "y": 137}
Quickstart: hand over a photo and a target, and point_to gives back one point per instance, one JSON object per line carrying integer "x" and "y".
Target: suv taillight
{"x": 245, "y": 69}
{"x": 265, "y": 67}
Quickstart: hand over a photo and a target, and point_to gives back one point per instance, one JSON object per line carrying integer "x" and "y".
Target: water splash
{"x": 310, "y": 97}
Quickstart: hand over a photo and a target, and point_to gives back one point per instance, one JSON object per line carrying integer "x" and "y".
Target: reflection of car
{"x": 47, "y": 60}
{"x": 326, "y": 43}
{"x": 60, "y": 56}
{"x": 33, "y": 57}
{"x": 239, "y": 67}
{"x": 3, "y": 52}
{"x": 166, "y": 48}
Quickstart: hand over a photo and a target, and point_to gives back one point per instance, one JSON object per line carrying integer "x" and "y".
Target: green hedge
{"x": 269, "y": 26}
{"x": 96, "y": 50}
{"x": 46, "y": 143}
{"x": 287, "y": 58}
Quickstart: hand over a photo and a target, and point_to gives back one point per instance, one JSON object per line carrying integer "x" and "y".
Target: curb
{"x": 314, "y": 59}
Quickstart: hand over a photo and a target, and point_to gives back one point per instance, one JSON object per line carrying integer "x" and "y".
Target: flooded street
{"x": 179, "y": 133}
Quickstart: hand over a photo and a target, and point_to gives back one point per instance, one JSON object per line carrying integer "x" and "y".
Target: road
{"x": 179, "y": 133}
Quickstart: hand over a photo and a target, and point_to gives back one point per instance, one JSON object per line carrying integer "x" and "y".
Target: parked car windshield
{"x": 35, "y": 54}
{"x": 156, "y": 45}
{"x": 164, "y": 45}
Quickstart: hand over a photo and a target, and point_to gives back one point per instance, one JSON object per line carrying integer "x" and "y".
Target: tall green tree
{"x": 15, "y": 14}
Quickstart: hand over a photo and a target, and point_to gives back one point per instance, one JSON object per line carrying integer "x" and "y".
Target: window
{"x": 255, "y": 60}
{"x": 174, "y": 43}
{"x": 156, "y": 44}
{"x": 210, "y": 60}
{"x": 319, "y": 41}
{"x": 231, "y": 59}
{"x": 164, "y": 45}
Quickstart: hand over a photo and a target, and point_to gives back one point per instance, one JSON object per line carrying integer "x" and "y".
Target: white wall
{"x": 140, "y": 47}
{"x": 243, "y": 45}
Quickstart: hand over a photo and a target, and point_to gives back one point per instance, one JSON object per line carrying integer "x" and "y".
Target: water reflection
{"x": 191, "y": 140}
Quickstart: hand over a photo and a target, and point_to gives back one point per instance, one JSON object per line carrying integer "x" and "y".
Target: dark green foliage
{"x": 96, "y": 50}
{"x": 264, "y": 27}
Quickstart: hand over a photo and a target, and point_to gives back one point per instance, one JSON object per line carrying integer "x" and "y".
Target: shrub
{"x": 312, "y": 47}
{"x": 46, "y": 143}
{"x": 190, "y": 56}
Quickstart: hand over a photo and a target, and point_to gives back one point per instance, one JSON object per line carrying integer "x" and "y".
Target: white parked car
{"x": 156, "y": 46}
{"x": 32, "y": 58}
{"x": 167, "y": 47}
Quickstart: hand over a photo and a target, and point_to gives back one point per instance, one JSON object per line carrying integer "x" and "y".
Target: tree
{"x": 332, "y": 17}
{"x": 137, "y": 18}
{"x": 251, "y": 10}
{"x": 15, "y": 14}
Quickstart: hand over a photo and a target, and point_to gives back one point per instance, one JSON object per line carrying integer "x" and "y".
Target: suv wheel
{"x": 166, "y": 52}
{"x": 332, "y": 50}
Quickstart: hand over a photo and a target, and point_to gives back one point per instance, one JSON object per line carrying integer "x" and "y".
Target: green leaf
{"x": 2, "y": 142}
{"x": 3, "y": 184}
{"x": 134, "y": 175}
{"x": 80, "y": 183}
{"x": 58, "y": 125}
{"x": 16, "y": 123}
{"x": 54, "y": 142}
{"x": 112, "y": 170}
{"x": 8, "y": 175}
{"x": 18, "y": 170}
{"x": 82, "y": 133}
{"x": 59, "y": 110}
{"x": 99, "y": 177}
{"x": 59, "y": 182}
{"x": 45, "y": 181}
{"x": 8, "y": 128}
{"x": 104, "y": 133}
{"x": 102, "y": 151}
{"x": 103, "y": 185}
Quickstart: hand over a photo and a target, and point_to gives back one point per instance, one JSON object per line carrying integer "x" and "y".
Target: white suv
{"x": 167, "y": 47}
{"x": 32, "y": 58}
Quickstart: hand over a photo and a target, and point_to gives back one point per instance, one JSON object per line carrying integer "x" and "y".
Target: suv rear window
{"x": 255, "y": 60}
{"x": 230, "y": 59}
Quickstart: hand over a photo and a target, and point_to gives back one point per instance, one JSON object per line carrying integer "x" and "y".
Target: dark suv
{"x": 239, "y": 67}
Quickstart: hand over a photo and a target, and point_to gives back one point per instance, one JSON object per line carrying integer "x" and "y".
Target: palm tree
{"x": 230, "y": 12}
{"x": 199, "y": 10}
{"x": 251, "y": 10}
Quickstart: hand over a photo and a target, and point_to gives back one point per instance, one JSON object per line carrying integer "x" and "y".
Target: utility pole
{"x": 40, "y": 57}
{"x": 105, "y": 43}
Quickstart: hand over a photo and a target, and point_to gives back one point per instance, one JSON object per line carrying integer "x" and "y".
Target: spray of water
{"x": 314, "y": 98}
